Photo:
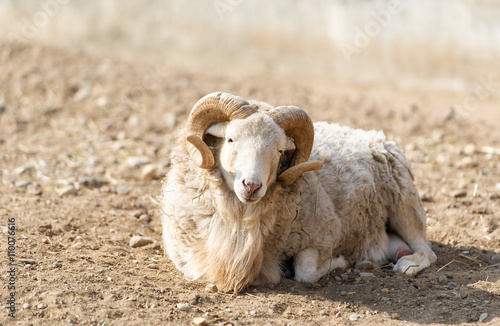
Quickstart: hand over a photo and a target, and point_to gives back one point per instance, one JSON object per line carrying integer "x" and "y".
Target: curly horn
{"x": 298, "y": 125}
{"x": 214, "y": 107}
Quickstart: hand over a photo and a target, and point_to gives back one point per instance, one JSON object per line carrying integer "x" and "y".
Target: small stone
{"x": 123, "y": 191}
{"x": 67, "y": 190}
{"x": 442, "y": 279}
{"x": 183, "y": 307}
{"x": 144, "y": 218}
{"x": 354, "y": 317}
{"x": 136, "y": 161}
{"x": 149, "y": 172}
{"x": 425, "y": 198}
{"x": 495, "y": 258}
{"x": 199, "y": 321}
{"x": 467, "y": 162}
{"x": 366, "y": 275}
{"x": 494, "y": 196}
{"x": 42, "y": 306}
{"x": 102, "y": 101}
{"x": 469, "y": 149}
{"x": 170, "y": 120}
{"x": 323, "y": 313}
{"x": 139, "y": 241}
{"x": 22, "y": 184}
{"x": 26, "y": 169}
{"x": 253, "y": 312}
{"x": 34, "y": 190}
{"x": 497, "y": 186}
{"x": 110, "y": 279}
{"x": 395, "y": 316}
{"x": 483, "y": 316}
{"x": 57, "y": 265}
{"x": 78, "y": 245}
{"x": 89, "y": 182}
{"x": 137, "y": 213}
{"x": 194, "y": 299}
{"x": 368, "y": 289}
{"x": 153, "y": 266}
{"x": 385, "y": 290}
{"x": 26, "y": 306}
{"x": 460, "y": 194}
{"x": 58, "y": 294}
{"x": 82, "y": 93}
{"x": 211, "y": 288}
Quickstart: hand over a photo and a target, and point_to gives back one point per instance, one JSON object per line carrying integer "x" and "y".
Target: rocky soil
{"x": 85, "y": 141}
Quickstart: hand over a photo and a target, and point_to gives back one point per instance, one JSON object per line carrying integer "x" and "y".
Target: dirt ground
{"x": 85, "y": 141}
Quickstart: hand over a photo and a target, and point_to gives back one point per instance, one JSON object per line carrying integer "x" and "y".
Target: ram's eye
{"x": 281, "y": 152}
{"x": 229, "y": 140}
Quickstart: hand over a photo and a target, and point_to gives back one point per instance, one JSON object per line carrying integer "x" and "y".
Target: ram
{"x": 252, "y": 186}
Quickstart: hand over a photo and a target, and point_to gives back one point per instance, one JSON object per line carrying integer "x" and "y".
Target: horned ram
{"x": 252, "y": 186}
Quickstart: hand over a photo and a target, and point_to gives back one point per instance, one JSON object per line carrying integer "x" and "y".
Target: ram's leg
{"x": 309, "y": 268}
{"x": 419, "y": 255}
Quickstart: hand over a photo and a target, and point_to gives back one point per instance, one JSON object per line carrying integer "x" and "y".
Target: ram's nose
{"x": 251, "y": 187}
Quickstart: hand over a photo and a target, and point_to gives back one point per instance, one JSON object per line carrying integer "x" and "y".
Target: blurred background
{"x": 438, "y": 44}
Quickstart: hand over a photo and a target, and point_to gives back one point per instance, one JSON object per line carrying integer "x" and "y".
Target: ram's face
{"x": 253, "y": 151}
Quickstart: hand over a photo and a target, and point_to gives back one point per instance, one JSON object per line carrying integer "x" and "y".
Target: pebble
{"x": 57, "y": 265}
{"x": 211, "y": 288}
{"x": 385, "y": 290}
{"x": 368, "y": 289}
{"x": 34, "y": 189}
{"x": 497, "y": 186}
{"x": 137, "y": 213}
{"x": 25, "y": 169}
{"x": 42, "y": 306}
{"x": 123, "y": 191}
{"x": 137, "y": 161}
{"x": 323, "y": 313}
{"x": 483, "y": 316}
{"x": 199, "y": 321}
{"x": 78, "y": 245}
{"x": 442, "y": 279}
{"x": 183, "y": 306}
{"x": 365, "y": 274}
{"x": 22, "y": 184}
{"x": 67, "y": 190}
{"x": 26, "y": 306}
{"x": 139, "y": 241}
{"x": 460, "y": 194}
{"x": 253, "y": 312}
{"x": 153, "y": 266}
{"x": 467, "y": 162}
{"x": 170, "y": 120}
{"x": 144, "y": 218}
{"x": 495, "y": 258}
{"x": 354, "y": 317}
{"x": 149, "y": 172}
{"x": 194, "y": 299}
{"x": 89, "y": 182}
{"x": 395, "y": 316}
{"x": 469, "y": 149}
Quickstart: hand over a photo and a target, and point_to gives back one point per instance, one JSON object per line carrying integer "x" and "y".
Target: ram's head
{"x": 258, "y": 144}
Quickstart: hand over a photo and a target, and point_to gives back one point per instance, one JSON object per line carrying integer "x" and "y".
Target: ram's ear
{"x": 217, "y": 129}
{"x": 290, "y": 144}
{"x": 287, "y": 156}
